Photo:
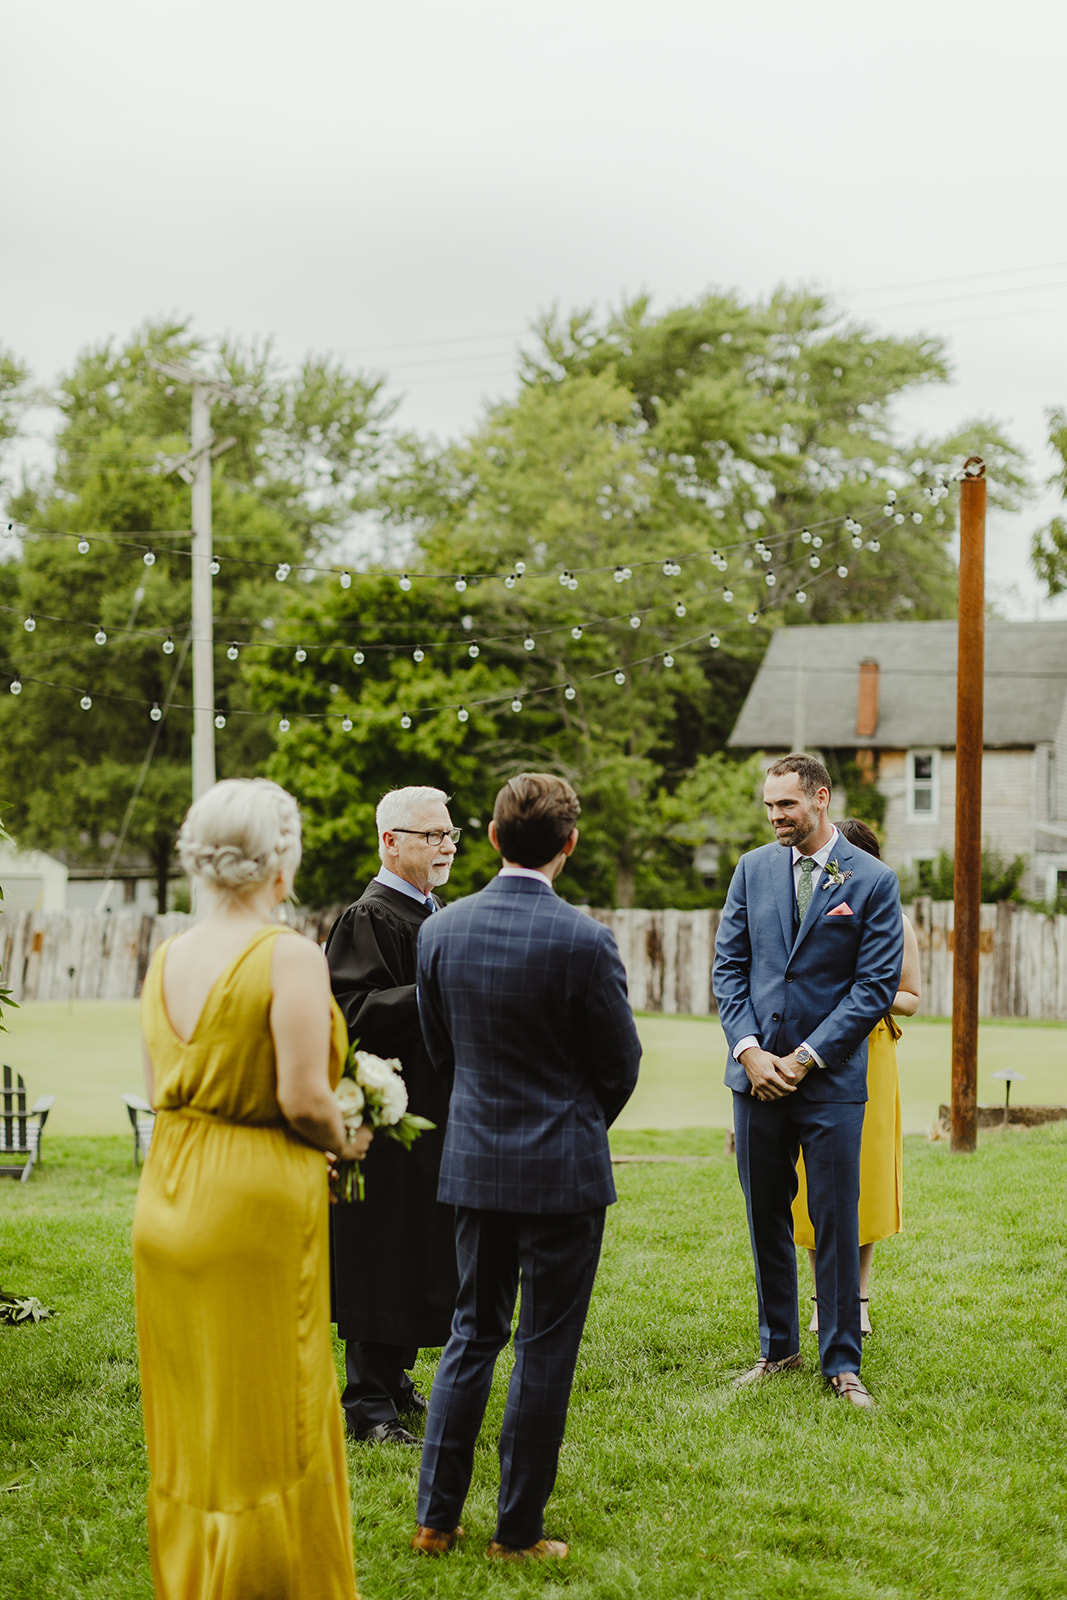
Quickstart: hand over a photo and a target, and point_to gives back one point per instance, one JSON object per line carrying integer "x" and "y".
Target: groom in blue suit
{"x": 523, "y": 998}
{"x": 807, "y": 959}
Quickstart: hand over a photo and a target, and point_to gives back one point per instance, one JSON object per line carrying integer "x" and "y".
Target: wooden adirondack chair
{"x": 142, "y": 1121}
{"x": 21, "y": 1130}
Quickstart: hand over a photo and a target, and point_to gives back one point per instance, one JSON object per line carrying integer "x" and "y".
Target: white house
{"x": 882, "y": 696}
{"x": 31, "y": 880}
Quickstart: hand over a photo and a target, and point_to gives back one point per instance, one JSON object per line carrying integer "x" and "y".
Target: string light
{"x": 220, "y": 721}
{"x": 282, "y": 571}
{"x": 83, "y": 547}
{"x": 156, "y": 713}
{"x": 100, "y": 636}
{"x": 529, "y": 643}
{"x": 168, "y": 646}
{"x": 232, "y": 653}
{"x": 800, "y": 596}
{"x": 300, "y": 654}
{"x": 358, "y": 657}
{"x": 668, "y": 660}
{"x": 30, "y": 623}
{"x": 149, "y": 558}
{"x": 418, "y": 655}
{"x": 86, "y": 702}
{"x": 842, "y": 572}
{"x": 805, "y": 537}
{"x": 405, "y": 721}
{"x": 346, "y": 580}
{"x": 753, "y": 616}
{"x": 346, "y": 724}
{"x": 714, "y": 641}
{"x": 569, "y": 691}
{"x": 283, "y": 725}
{"x": 576, "y": 633}
{"x": 679, "y": 609}
{"x": 520, "y": 568}
{"x": 473, "y": 651}
{"x": 15, "y": 686}
{"x": 461, "y": 584}
{"x": 814, "y": 562}
{"x": 620, "y": 677}
{"x": 874, "y": 545}
{"x": 510, "y": 581}
{"x": 635, "y": 620}
{"x": 405, "y": 583}
{"x": 516, "y": 704}
{"x": 728, "y": 595}
{"x": 462, "y": 714}
{"x": 214, "y": 566}
{"x": 769, "y": 579}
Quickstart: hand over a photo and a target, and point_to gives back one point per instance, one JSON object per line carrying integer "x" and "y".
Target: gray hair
{"x": 400, "y": 809}
{"x": 238, "y": 835}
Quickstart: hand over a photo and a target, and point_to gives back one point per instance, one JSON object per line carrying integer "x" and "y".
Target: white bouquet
{"x": 372, "y": 1094}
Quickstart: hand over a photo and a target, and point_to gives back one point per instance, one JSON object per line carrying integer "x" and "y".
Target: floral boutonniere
{"x": 834, "y": 876}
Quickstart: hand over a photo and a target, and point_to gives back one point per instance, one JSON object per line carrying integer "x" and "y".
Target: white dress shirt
{"x": 821, "y": 857}
{"x": 392, "y": 880}
{"x": 526, "y": 872}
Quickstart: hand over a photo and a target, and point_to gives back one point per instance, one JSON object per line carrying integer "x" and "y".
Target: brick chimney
{"x": 867, "y": 701}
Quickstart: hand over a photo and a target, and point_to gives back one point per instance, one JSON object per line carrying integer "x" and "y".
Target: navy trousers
{"x": 551, "y": 1262}
{"x": 378, "y": 1383}
{"x": 769, "y": 1136}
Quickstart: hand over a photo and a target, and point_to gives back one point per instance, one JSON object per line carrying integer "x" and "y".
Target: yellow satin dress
{"x": 881, "y": 1152}
{"x": 248, "y": 1494}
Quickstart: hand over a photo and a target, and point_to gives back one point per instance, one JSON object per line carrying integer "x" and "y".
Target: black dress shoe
{"x": 391, "y": 1432}
{"x": 414, "y": 1404}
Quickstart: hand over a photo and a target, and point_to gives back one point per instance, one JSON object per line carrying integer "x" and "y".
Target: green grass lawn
{"x": 671, "y": 1484}
{"x": 88, "y": 1054}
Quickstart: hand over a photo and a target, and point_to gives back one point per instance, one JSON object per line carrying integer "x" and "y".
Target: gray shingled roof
{"x": 1026, "y": 683}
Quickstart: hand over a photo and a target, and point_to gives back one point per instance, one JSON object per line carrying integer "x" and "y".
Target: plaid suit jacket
{"x": 523, "y": 998}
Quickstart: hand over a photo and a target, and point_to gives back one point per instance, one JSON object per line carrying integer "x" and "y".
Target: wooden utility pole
{"x": 967, "y": 892}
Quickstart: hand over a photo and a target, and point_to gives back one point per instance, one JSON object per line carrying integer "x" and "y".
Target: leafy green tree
{"x": 1048, "y": 547}
{"x": 636, "y": 445}
{"x": 98, "y": 604}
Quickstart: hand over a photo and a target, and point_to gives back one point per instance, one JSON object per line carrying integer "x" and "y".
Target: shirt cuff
{"x": 819, "y": 1062}
{"x": 745, "y": 1044}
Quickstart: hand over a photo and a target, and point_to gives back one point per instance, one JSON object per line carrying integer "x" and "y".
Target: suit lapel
{"x": 785, "y": 894}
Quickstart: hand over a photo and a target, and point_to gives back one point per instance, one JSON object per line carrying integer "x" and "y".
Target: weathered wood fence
{"x": 667, "y": 954}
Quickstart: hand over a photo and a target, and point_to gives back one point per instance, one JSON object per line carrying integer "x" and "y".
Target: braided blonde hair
{"x": 238, "y": 835}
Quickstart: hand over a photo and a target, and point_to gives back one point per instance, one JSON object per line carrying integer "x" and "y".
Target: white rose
{"x": 374, "y": 1073}
{"x": 349, "y": 1097}
{"x": 394, "y": 1101}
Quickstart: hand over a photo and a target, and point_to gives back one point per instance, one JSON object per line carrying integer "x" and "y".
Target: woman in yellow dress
{"x": 882, "y": 1150}
{"x": 248, "y": 1495}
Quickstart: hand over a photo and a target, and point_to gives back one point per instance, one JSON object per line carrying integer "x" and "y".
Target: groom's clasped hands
{"x": 772, "y": 1077}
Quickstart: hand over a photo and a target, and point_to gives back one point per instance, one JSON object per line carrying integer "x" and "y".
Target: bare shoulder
{"x": 297, "y": 958}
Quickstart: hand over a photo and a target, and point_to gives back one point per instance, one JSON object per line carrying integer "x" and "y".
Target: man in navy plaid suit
{"x": 524, "y": 998}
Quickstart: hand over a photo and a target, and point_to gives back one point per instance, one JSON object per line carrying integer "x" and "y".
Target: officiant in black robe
{"x": 393, "y": 1254}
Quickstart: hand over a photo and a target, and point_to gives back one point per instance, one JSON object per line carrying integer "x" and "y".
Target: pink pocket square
{"x": 843, "y": 910}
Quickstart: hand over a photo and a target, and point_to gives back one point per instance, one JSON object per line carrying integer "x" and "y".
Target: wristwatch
{"x": 805, "y": 1057}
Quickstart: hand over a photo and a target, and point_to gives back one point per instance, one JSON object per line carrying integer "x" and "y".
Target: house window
{"x": 924, "y": 785}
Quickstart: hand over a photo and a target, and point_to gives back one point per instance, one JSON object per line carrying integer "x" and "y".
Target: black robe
{"x": 393, "y": 1255}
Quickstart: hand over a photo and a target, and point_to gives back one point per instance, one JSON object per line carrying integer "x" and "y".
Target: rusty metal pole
{"x": 967, "y": 890}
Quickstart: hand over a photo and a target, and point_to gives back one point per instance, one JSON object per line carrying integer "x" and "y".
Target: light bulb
{"x": 405, "y": 721}
{"x": 358, "y": 657}
{"x": 15, "y": 686}
{"x": 149, "y": 558}
{"x": 891, "y": 495}
{"x": 100, "y": 636}
{"x": 528, "y": 643}
{"x": 520, "y": 567}
{"x": 220, "y": 720}
{"x": 418, "y": 655}
{"x": 168, "y": 646}
{"x": 30, "y": 623}
{"x": 232, "y": 653}
{"x": 857, "y": 541}
{"x": 842, "y": 572}
{"x": 509, "y": 581}
{"x": 805, "y": 537}
{"x": 83, "y": 547}
{"x": 568, "y": 694}
{"x": 301, "y": 654}
{"x": 626, "y": 573}
{"x": 770, "y": 580}
{"x": 461, "y": 584}
{"x": 898, "y": 518}
{"x": 516, "y": 704}
{"x": 887, "y": 510}
{"x": 214, "y": 566}
{"x": 635, "y": 621}
{"x": 753, "y": 616}
{"x": 156, "y": 714}
{"x": 668, "y": 660}
{"x": 916, "y": 516}
{"x": 765, "y": 554}
{"x": 801, "y": 596}
{"x": 576, "y": 633}
{"x": 714, "y": 641}
{"x": 346, "y": 724}
{"x": 668, "y": 569}
{"x": 86, "y": 702}
{"x": 618, "y": 575}
{"x": 874, "y": 546}
{"x": 405, "y": 583}
{"x": 620, "y": 677}
{"x": 468, "y": 622}
{"x": 728, "y": 595}
{"x": 813, "y": 561}
{"x": 462, "y": 714}
{"x": 473, "y": 651}
{"x": 572, "y": 582}
{"x": 679, "y": 610}
{"x": 564, "y": 579}
{"x": 283, "y": 725}
{"x": 816, "y": 542}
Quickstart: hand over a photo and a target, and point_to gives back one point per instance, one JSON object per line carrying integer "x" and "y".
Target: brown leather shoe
{"x": 434, "y": 1541}
{"x": 848, "y": 1386}
{"x": 543, "y": 1550}
{"x": 768, "y": 1369}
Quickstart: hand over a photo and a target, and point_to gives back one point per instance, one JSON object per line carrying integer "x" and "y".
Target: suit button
{"x": 789, "y": 977}
{"x": 775, "y": 1017}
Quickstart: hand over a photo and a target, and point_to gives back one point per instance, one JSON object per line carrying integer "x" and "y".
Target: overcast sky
{"x": 407, "y": 184}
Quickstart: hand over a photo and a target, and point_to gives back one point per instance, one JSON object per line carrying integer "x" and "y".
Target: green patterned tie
{"x": 807, "y": 867}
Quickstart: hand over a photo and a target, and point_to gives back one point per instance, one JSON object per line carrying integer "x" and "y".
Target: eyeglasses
{"x": 433, "y": 836}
